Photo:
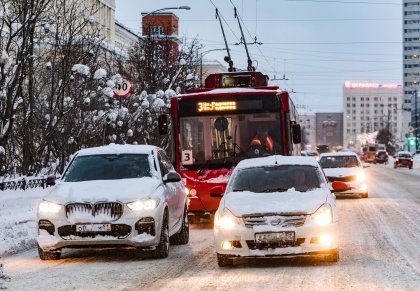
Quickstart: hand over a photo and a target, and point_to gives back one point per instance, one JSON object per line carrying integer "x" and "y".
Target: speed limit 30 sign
{"x": 123, "y": 89}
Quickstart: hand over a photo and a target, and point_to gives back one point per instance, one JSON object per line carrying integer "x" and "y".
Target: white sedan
{"x": 114, "y": 196}
{"x": 346, "y": 167}
{"x": 276, "y": 206}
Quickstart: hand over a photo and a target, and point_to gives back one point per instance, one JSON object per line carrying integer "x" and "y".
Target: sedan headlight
{"x": 146, "y": 204}
{"x": 360, "y": 177}
{"x": 225, "y": 220}
{"x": 49, "y": 207}
{"x": 323, "y": 216}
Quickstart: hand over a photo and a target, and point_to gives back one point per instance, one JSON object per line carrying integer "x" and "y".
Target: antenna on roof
{"x": 250, "y": 67}
{"x": 227, "y": 59}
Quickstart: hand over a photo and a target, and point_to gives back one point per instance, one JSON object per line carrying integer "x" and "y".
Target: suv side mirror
{"x": 296, "y": 134}
{"x": 217, "y": 191}
{"x": 171, "y": 177}
{"x": 50, "y": 181}
{"x": 163, "y": 124}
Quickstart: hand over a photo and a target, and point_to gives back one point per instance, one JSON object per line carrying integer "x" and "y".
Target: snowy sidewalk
{"x": 17, "y": 219}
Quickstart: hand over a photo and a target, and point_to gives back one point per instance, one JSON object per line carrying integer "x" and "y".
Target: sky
{"x": 316, "y": 44}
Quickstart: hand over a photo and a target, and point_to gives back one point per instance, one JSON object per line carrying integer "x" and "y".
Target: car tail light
{"x": 397, "y": 160}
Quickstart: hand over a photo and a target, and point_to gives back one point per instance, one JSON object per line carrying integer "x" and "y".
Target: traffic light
{"x": 412, "y": 141}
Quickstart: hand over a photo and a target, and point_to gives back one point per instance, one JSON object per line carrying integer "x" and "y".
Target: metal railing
{"x": 23, "y": 184}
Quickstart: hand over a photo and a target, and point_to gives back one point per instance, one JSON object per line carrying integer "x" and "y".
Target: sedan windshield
{"x": 276, "y": 179}
{"x": 339, "y": 162}
{"x": 108, "y": 167}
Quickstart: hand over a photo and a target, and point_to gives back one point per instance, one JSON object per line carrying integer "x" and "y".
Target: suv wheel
{"x": 49, "y": 255}
{"x": 224, "y": 260}
{"x": 182, "y": 237}
{"x": 162, "y": 249}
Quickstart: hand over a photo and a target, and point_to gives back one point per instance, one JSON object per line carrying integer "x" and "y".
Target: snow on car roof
{"x": 277, "y": 160}
{"x": 335, "y": 154}
{"x": 117, "y": 149}
{"x": 403, "y": 152}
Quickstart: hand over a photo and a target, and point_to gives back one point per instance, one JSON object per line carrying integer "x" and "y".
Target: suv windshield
{"x": 276, "y": 179}
{"x": 339, "y": 162}
{"x": 108, "y": 167}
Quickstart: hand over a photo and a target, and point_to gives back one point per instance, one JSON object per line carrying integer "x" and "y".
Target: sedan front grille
{"x": 342, "y": 179}
{"x": 111, "y": 210}
{"x": 275, "y": 220}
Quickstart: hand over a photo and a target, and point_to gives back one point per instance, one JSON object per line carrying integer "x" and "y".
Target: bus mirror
{"x": 296, "y": 133}
{"x": 163, "y": 124}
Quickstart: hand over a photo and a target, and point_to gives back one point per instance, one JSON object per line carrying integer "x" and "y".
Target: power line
{"x": 347, "y": 2}
{"x": 281, "y": 20}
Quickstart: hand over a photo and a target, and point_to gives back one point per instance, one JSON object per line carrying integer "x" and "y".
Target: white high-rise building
{"x": 411, "y": 61}
{"x": 369, "y": 107}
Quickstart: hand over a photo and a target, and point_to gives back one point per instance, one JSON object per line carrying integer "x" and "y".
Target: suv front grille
{"x": 112, "y": 210}
{"x": 119, "y": 231}
{"x": 275, "y": 220}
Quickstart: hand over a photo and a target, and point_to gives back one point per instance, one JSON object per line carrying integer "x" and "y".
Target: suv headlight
{"x": 48, "y": 207}
{"x": 146, "y": 204}
{"x": 323, "y": 216}
{"x": 225, "y": 220}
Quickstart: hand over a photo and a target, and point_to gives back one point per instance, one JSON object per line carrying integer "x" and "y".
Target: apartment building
{"x": 369, "y": 107}
{"x": 307, "y": 122}
{"x": 411, "y": 63}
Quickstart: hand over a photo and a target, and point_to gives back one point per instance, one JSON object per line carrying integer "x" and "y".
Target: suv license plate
{"x": 275, "y": 237}
{"x": 93, "y": 227}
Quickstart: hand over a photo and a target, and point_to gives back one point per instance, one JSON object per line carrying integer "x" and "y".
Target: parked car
{"x": 403, "y": 159}
{"x": 276, "y": 206}
{"x": 381, "y": 157}
{"x": 114, "y": 196}
{"x": 346, "y": 167}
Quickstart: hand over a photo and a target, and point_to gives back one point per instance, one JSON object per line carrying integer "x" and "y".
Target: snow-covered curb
{"x": 17, "y": 219}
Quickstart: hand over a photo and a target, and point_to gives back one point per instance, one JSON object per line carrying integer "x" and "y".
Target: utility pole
{"x": 415, "y": 119}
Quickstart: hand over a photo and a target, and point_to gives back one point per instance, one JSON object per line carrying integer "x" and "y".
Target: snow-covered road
{"x": 379, "y": 248}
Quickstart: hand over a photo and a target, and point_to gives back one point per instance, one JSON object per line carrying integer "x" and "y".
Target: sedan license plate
{"x": 93, "y": 227}
{"x": 275, "y": 237}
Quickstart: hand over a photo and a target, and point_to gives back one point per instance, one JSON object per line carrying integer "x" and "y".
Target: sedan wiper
{"x": 275, "y": 190}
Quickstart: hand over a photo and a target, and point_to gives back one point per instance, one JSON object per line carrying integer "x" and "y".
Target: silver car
{"x": 114, "y": 196}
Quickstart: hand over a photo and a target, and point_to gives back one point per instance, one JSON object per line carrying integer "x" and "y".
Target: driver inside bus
{"x": 263, "y": 139}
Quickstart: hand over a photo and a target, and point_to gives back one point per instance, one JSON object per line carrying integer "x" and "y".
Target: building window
{"x": 362, "y": 98}
{"x": 156, "y": 30}
{"x": 348, "y": 98}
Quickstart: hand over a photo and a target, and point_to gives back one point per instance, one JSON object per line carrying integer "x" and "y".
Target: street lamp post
{"x": 201, "y": 62}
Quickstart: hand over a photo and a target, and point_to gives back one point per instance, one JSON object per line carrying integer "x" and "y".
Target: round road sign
{"x": 411, "y": 129}
{"x": 123, "y": 89}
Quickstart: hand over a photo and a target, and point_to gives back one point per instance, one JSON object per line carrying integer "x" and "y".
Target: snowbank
{"x": 17, "y": 219}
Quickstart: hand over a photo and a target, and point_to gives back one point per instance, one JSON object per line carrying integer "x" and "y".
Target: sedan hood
{"x": 248, "y": 203}
{"x": 124, "y": 190}
{"x": 342, "y": 172}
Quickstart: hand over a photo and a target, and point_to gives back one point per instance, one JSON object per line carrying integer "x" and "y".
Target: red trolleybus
{"x": 235, "y": 117}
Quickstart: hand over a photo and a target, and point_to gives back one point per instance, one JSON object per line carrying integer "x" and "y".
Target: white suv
{"x": 114, "y": 196}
